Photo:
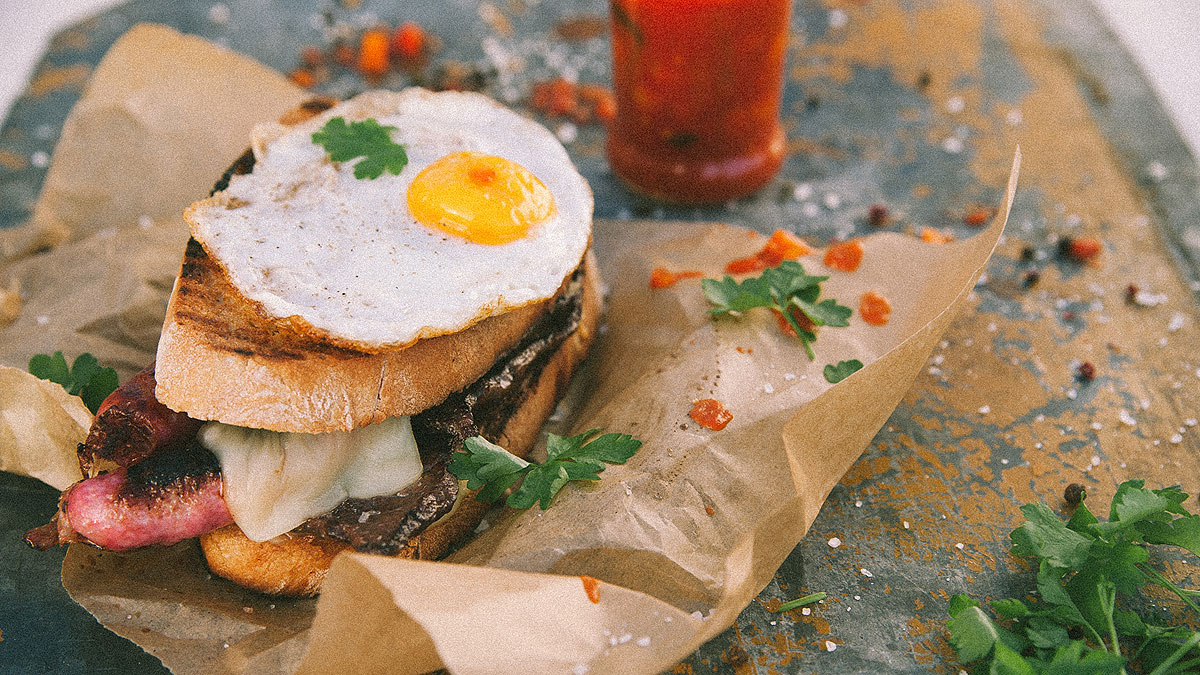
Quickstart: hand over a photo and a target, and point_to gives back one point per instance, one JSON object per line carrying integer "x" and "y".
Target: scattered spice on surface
{"x": 709, "y": 510}
{"x": 978, "y": 216}
{"x": 583, "y": 103}
{"x": 660, "y": 277}
{"x": 410, "y": 44}
{"x": 1079, "y": 249}
{"x": 1028, "y": 253}
{"x": 710, "y": 414}
{"x": 878, "y": 215}
{"x": 931, "y": 235}
{"x": 874, "y": 309}
{"x": 1030, "y": 278}
{"x": 591, "y": 586}
{"x": 782, "y": 245}
{"x": 373, "y": 53}
{"x": 1086, "y": 372}
{"x": 845, "y": 256}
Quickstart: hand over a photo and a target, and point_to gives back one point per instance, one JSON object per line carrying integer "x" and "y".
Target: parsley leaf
{"x": 490, "y": 467}
{"x": 86, "y": 378}
{"x": 367, "y": 139}
{"x": 843, "y": 369}
{"x": 1085, "y": 566}
{"x": 784, "y": 288}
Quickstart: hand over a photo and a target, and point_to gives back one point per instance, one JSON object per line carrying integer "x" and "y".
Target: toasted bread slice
{"x": 221, "y": 357}
{"x": 297, "y": 564}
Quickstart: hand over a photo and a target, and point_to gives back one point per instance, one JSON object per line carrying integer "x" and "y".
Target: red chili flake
{"x": 744, "y": 350}
{"x": 600, "y": 101}
{"x": 591, "y": 586}
{"x": 978, "y": 216}
{"x": 874, "y": 309}
{"x": 709, "y": 510}
{"x": 555, "y": 98}
{"x": 801, "y": 319}
{"x": 1131, "y": 292}
{"x": 1086, "y": 371}
{"x": 303, "y": 78}
{"x": 878, "y": 216}
{"x": 782, "y": 245}
{"x": 409, "y": 43}
{"x": 932, "y": 235}
{"x": 710, "y": 414}
{"x": 311, "y": 56}
{"x": 663, "y": 278}
{"x": 344, "y": 55}
{"x": 1079, "y": 249}
{"x": 373, "y": 52}
{"x": 846, "y": 256}
{"x": 1068, "y": 316}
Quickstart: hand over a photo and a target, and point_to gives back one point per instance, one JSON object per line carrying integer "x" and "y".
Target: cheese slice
{"x": 275, "y": 481}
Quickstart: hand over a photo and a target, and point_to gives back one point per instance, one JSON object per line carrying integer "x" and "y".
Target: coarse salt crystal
{"x": 802, "y": 192}
{"x": 1097, "y": 426}
{"x": 1095, "y": 460}
{"x": 1072, "y": 394}
{"x": 643, "y": 641}
{"x": 624, "y": 638}
{"x": 810, "y": 210}
{"x": 831, "y": 200}
{"x": 952, "y": 145}
{"x": 858, "y": 597}
{"x": 219, "y": 14}
{"x": 1126, "y": 418}
{"x": 1013, "y": 117}
{"x": 698, "y": 615}
{"x": 1177, "y": 438}
{"x": 906, "y": 525}
{"x": 1191, "y": 422}
{"x": 834, "y": 542}
{"x": 789, "y": 376}
{"x": 830, "y": 645}
{"x": 959, "y": 546}
{"x": 43, "y": 320}
{"x": 985, "y": 409}
{"x": 1177, "y": 321}
{"x": 1156, "y": 170}
{"x": 858, "y": 503}
{"x": 838, "y": 18}
{"x": 806, "y": 611}
{"x": 768, "y": 388}
{"x": 955, "y": 104}
{"x": 580, "y": 669}
{"x": 865, "y": 572}
{"x": 567, "y": 132}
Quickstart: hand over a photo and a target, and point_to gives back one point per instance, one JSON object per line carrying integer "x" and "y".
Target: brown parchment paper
{"x": 683, "y": 536}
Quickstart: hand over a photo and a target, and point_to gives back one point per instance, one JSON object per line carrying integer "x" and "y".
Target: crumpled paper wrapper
{"x": 683, "y": 536}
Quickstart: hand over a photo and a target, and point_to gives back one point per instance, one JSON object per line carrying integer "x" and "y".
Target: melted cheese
{"x": 275, "y": 481}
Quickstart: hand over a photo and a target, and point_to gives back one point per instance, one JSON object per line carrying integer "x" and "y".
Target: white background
{"x": 1162, "y": 35}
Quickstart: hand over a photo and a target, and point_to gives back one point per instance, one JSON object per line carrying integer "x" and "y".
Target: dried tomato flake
{"x": 591, "y": 586}
{"x": 783, "y": 245}
{"x": 663, "y": 278}
{"x": 801, "y": 318}
{"x": 710, "y": 414}
{"x": 344, "y": 55}
{"x": 373, "y": 52}
{"x": 1082, "y": 249}
{"x": 878, "y": 216}
{"x": 845, "y": 256}
{"x": 409, "y": 42}
{"x": 935, "y": 236}
{"x": 1086, "y": 371}
{"x": 303, "y": 78}
{"x": 874, "y": 308}
{"x": 978, "y": 216}
{"x": 709, "y": 510}
{"x": 746, "y": 265}
{"x": 311, "y": 56}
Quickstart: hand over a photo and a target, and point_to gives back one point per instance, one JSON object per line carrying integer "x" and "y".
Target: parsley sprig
{"x": 86, "y": 378}
{"x": 779, "y": 288}
{"x": 490, "y": 467}
{"x": 1084, "y": 566}
{"x": 367, "y": 139}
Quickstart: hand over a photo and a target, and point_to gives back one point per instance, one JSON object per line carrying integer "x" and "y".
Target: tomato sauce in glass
{"x": 698, "y": 86}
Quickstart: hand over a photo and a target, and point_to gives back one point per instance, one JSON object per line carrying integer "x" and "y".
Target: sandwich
{"x": 370, "y": 284}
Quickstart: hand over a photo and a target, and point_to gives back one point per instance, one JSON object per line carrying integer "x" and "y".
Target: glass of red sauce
{"x": 698, "y": 86}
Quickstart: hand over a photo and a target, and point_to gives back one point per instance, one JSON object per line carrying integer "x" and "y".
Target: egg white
{"x": 303, "y": 237}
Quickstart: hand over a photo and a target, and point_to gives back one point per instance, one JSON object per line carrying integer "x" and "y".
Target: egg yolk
{"x": 481, "y": 198}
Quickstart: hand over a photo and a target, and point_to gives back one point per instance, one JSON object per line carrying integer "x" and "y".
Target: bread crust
{"x": 296, "y": 564}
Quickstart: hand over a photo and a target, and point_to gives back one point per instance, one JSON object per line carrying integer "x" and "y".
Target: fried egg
{"x": 488, "y": 215}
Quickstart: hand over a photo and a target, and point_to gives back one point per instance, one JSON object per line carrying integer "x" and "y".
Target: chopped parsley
{"x": 842, "y": 370}
{"x": 785, "y": 289}
{"x": 86, "y": 378}
{"x": 1087, "y": 571}
{"x": 491, "y": 469}
{"x": 367, "y": 139}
